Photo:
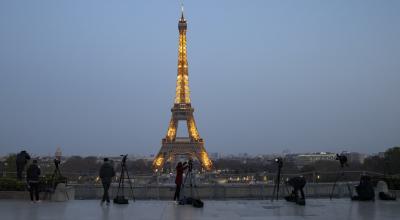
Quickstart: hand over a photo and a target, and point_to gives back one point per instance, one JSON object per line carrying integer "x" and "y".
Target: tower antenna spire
{"x": 182, "y": 10}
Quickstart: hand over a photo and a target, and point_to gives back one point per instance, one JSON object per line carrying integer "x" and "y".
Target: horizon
{"x": 265, "y": 76}
{"x": 221, "y": 154}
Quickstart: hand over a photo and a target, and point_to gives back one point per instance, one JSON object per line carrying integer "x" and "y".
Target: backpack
{"x": 197, "y": 203}
{"x": 20, "y": 158}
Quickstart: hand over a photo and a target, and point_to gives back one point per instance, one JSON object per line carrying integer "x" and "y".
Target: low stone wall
{"x": 24, "y": 195}
{"x": 261, "y": 191}
{"x": 213, "y": 192}
{"x": 62, "y": 193}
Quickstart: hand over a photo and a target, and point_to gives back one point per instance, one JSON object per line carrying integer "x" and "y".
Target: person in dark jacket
{"x": 106, "y": 174}
{"x": 179, "y": 178}
{"x": 32, "y": 177}
{"x": 21, "y": 161}
{"x": 365, "y": 190}
{"x": 298, "y": 184}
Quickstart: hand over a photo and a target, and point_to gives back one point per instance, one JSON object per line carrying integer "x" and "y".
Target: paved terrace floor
{"x": 213, "y": 210}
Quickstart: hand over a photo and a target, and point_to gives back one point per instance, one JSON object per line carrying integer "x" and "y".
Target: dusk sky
{"x": 98, "y": 77}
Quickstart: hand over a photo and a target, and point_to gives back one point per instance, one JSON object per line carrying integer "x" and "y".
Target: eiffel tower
{"x": 172, "y": 146}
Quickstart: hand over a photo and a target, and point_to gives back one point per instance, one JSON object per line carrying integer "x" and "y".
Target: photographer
{"x": 21, "y": 161}
{"x": 106, "y": 174}
{"x": 32, "y": 177}
{"x": 298, "y": 184}
{"x": 365, "y": 190}
{"x": 179, "y": 178}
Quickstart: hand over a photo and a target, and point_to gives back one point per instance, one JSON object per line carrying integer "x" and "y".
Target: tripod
{"x": 120, "y": 197}
{"x": 55, "y": 177}
{"x": 278, "y": 179}
{"x": 56, "y": 174}
{"x": 340, "y": 175}
{"x": 191, "y": 182}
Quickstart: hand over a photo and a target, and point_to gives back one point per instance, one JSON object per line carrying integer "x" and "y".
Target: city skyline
{"x": 98, "y": 77}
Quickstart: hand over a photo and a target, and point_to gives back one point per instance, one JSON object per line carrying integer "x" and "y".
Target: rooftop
{"x": 213, "y": 210}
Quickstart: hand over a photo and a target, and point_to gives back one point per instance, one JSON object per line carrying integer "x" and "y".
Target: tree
{"x": 10, "y": 165}
{"x": 77, "y": 165}
{"x": 392, "y": 161}
{"x": 375, "y": 164}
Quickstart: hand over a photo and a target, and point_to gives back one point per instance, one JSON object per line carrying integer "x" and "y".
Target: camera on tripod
{"x": 343, "y": 162}
{"x": 57, "y": 163}
{"x": 190, "y": 165}
{"x": 342, "y": 159}
{"x": 279, "y": 161}
{"x": 120, "y": 196}
{"x": 124, "y": 157}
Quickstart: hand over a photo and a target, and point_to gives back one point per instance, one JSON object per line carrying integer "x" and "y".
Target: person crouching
{"x": 298, "y": 184}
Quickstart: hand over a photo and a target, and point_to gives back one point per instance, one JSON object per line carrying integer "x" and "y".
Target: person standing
{"x": 106, "y": 174}
{"x": 179, "y": 178}
{"x": 21, "y": 161}
{"x": 32, "y": 177}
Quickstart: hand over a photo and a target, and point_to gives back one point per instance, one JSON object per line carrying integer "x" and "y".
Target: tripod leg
{"x": 273, "y": 192}
{"x": 130, "y": 184}
{"x": 334, "y": 185}
{"x": 277, "y": 188}
{"x": 191, "y": 184}
{"x": 350, "y": 191}
{"x": 279, "y": 181}
{"x": 182, "y": 189}
{"x": 197, "y": 194}
{"x": 120, "y": 182}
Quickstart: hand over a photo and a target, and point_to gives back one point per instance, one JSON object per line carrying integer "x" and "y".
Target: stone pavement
{"x": 213, "y": 210}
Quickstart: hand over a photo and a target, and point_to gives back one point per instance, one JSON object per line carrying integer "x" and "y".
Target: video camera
{"x": 56, "y": 163}
{"x": 342, "y": 159}
{"x": 279, "y": 161}
{"x": 124, "y": 157}
{"x": 189, "y": 164}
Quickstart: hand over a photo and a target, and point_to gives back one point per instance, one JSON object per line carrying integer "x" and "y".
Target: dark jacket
{"x": 297, "y": 182}
{"x": 33, "y": 173}
{"x": 106, "y": 172}
{"x": 365, "y": 189}
{"x": 179, "y": 174}
{"x": 22, "y": 158}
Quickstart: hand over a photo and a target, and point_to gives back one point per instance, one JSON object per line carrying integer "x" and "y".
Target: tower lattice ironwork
{"x": 173, "y": 146}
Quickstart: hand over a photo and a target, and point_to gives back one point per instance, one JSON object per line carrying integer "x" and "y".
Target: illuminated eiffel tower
{"x": 172, "y": 146}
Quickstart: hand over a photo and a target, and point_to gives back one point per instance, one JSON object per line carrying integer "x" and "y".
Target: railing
{"x": 91, "y": 178}
{"x": 216, "y": 186}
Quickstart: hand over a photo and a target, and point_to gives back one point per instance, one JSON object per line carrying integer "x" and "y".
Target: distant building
{"x": 304, "y": 159}
{"x": 215, "y": 156}
{"x": 355, "y": 157}
{"x": 381, "y": 154}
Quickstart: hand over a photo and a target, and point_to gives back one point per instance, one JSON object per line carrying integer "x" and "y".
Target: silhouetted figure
{"x": 298, "y": 184}
{"x": 21, "y": 161}
{"x": 179, "y": 178}
{"x": 106, "y": 174}
{"x": 32, "y": 177}
{"x": 365, "y": 190}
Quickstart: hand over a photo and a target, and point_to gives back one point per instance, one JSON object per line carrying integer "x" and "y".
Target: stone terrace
{"x": 213, "y": 210}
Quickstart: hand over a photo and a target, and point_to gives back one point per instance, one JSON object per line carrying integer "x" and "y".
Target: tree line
{"x": 389, "y": 164}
